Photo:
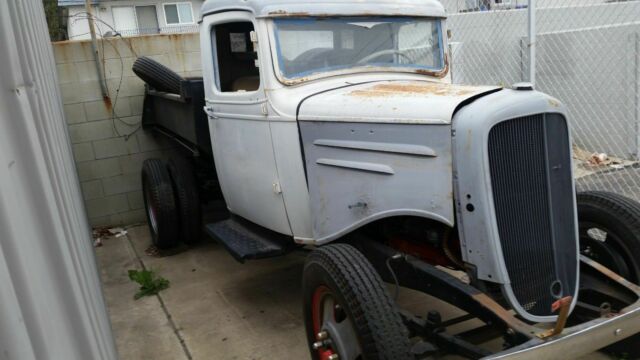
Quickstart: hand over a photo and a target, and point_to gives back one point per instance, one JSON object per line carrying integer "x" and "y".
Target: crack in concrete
{"x": 175, "y": 329}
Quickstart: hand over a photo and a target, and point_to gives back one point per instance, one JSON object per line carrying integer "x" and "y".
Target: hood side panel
{"x": 361, "y": 172}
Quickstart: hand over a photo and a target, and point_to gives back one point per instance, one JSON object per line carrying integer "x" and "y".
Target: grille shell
{"x": 532, "y": 188}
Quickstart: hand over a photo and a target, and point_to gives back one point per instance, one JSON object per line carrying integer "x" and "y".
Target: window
{"x": 236, "y": 69}
{"x": 312, "y": 46}
{"x": 178, "y": 13}
{"x": 135, "y": 20}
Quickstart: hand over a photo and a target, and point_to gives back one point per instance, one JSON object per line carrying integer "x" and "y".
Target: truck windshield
{"x": 309, "y": 46}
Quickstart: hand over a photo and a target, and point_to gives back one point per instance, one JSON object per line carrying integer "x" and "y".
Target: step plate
{"x": 246, "y": 241}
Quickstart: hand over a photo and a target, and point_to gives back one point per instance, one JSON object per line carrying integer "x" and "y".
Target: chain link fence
{"x": 587, "y": 55}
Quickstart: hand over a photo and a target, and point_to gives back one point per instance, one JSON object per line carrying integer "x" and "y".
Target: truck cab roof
{"x": 297, "y": 8}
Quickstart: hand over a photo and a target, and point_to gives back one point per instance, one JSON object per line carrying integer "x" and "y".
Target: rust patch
{"x": 412, "y": 89}
{"x": 439, "y": 74}
{"x": 554, "y": 103}
{"x": 284, "y": 13}
{"x": 107, "y": 103}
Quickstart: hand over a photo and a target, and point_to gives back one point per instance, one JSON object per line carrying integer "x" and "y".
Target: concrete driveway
{"x": 215, "y": 307}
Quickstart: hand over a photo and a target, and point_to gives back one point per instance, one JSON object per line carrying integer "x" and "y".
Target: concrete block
{"x": 135, "y": 200}
{"x": 132, "y": 164}
{"x": 129, "y": 125}
{"x": 115, "y": 68}
{"x": 100, "y": 110}
{"x": 97, "y": 169}
{"x": 83, "y": 152}
{"x": 86, "y": 70}
{"x": 133, "y": 217}
{"x": 196, "y": 73}
{"x": 72, "y": 51}
{"x": 80, "y": 92}
{"x": 130, "y": 86}
{"x": 152, "y": 45}
{"x": 190, "y": 42}
{"x": 97, "y": 110}
{"x": 108, "y": 205}
{"x": 192, "y": 61}
{"x": 92, "y": 189}
{"x": 149, "y": 141}
{"x": 74, "y": 113}
{"x": 122, "y": 184}
{"x": 115, "y": 147}
{"x": 137, "y": 104}
{"x": 174, "y": 61}
{"x": 118, "y": 48}
{"x": 67, "y": 73}
{"x": 96, "y": 130}
{"x": 100, "y": 221}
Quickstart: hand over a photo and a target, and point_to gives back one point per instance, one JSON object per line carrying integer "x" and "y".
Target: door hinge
{"x": 276, "y": 188}
{"x": 264, "y": 109}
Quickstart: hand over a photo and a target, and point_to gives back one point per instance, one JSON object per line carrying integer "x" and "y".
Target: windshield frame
{"x": 416, "y": 69}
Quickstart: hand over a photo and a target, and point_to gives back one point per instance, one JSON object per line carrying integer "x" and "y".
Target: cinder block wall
{"x": 108, "y": 144}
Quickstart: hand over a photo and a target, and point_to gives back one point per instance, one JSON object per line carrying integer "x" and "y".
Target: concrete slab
{"x": 141, "y": 327}
{"x": 220, "y": 309}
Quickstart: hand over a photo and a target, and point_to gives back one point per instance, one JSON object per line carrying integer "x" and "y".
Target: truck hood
{"x": 415, "y": 102}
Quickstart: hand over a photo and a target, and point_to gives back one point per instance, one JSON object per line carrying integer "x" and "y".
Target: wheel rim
{"x": 334, "y": 332}
{"x": 606, "y": 247}
{"x": 151, "y": 211}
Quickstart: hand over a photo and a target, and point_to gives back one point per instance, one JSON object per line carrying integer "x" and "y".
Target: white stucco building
{"x": 132, "y": 17}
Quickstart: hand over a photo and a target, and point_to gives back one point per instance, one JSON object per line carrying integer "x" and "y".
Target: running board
{"x": 247, "y": 241}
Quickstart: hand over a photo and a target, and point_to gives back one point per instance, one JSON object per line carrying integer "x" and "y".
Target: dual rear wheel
{"x": 171, "y": 201}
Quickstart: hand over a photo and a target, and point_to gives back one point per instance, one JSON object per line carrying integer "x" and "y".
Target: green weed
{"x": 150, "y": 283}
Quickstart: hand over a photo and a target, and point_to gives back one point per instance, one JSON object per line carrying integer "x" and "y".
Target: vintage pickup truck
{"x": 333, "y": 126}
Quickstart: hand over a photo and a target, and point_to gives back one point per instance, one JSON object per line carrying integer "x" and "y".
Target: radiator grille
{"x": 530, "y": 166}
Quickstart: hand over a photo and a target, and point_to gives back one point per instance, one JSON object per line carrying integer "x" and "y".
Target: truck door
{"x": 240, "y": 131}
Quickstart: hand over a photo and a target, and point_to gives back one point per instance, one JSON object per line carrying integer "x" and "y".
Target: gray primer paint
{"x": 361, "y": 172}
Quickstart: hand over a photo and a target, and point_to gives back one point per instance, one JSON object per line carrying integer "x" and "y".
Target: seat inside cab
{"x": 236, "y": 57}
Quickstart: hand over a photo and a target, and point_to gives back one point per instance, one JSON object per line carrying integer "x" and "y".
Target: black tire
{"x": 185, "y": 186}
{"x": 340, "y": 273}
{"x": 619, "y": 218}
{"x": 157, "y": 75}
{"x": 160, "y": 204}
{"x": 616, "y": 244}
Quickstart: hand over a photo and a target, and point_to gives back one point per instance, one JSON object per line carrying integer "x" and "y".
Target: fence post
{"x": 636, "y": 88}
{"x": 532, "y": 41}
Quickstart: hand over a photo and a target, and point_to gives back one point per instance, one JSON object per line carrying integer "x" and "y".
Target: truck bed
{"x": 181, "y": 117}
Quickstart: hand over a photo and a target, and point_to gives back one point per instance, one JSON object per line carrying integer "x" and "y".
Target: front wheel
{"x": 609, "y": 226}
{"x": 348, "y": 312}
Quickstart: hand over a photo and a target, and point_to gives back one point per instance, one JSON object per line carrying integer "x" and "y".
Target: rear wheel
{"x": 160, "y": 203}
{"x": 348, "y": 313}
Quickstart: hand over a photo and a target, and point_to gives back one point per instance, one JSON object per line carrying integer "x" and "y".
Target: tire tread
{"x": 383, "y": 334}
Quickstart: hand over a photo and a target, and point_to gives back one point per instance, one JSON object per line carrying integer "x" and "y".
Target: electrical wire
{"x": 114, "y": 116}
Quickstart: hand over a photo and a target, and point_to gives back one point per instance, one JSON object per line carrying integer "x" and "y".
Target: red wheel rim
{"x": 316, "y": 312}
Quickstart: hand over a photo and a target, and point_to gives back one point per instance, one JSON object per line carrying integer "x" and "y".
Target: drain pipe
{"x": 94, "y": 48}
{"x": 532, "y": 42}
